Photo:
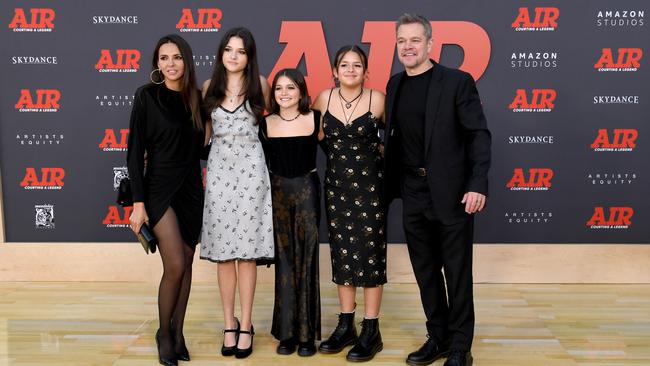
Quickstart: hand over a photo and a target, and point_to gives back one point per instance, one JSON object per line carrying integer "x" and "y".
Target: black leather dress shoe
{"x": 459, "y": 358}
{"x": 286, "y": 347}
{"x": 428, "y": 353}
{"x": 306, "y": 349}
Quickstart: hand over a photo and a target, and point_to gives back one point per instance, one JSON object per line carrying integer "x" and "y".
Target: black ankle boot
{"x": 369, "y": 342}
{"x": 344, "y": 334}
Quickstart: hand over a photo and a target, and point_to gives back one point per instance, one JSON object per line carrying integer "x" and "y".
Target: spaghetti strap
{"x": 370, "y": 103}
{"x": 328, "y": 100}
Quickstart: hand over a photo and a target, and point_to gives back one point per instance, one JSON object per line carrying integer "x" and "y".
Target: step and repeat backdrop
{"x": 564, "y": 86}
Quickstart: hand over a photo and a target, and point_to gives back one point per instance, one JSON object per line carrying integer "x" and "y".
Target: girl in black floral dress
{"x": 355, "y": 211}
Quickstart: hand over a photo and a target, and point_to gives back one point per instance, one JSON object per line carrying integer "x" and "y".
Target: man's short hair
{"x": 409, "y": 18}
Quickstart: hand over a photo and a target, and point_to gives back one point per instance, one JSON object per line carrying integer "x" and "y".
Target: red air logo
{"x": 626, "y": 60}
{"x": 38, "y": 20}
{"x": 47, "y": 178}
{"x": 114, "y": 141}
{"x": 305, "y": 42}
{"x": 622, "y": 139}
{"x": 615, "y": 218}
{"x": 540, "y": 100}
{"x": 542, "y": 20}
{"x": 120, "y": 61}
{"x": 42, "y": 100}
{"x": 206, "y": 20}
{"x": 116, "y": 219}
{"x": 538, "y": 179}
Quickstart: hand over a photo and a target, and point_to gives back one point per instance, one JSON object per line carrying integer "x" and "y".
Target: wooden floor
{"x": 100, "y": 323}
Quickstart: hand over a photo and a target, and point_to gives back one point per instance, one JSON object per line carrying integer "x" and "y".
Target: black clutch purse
{"x": 125, "y": 198}
{"x": 147, "y": 239}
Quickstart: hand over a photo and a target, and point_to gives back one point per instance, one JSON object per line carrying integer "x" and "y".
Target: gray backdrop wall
{"x": 563, "y": 84}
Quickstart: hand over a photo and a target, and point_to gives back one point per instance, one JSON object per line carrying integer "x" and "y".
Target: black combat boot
{"x": 369, "y": 342}
{"x": 344, "y": 334}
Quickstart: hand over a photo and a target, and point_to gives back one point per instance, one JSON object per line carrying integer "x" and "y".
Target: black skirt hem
{"x": 363, "y": 284}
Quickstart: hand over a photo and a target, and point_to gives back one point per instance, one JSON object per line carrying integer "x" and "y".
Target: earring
{"x": 160, "y": 73}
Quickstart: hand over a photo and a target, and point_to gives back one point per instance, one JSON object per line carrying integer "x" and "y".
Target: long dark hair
{"x": 252, "y": 86}
{"x": 297, "y": 78}
{"x": 189, "y": 92}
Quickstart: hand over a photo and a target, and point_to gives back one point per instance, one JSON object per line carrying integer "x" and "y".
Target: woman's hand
{"x": 138, "y": 217}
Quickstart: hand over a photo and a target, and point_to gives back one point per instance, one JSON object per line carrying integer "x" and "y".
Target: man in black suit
{"x": 437, "y": 151}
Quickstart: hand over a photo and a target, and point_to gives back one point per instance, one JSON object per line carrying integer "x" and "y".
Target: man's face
{"x": 413, "y": 47}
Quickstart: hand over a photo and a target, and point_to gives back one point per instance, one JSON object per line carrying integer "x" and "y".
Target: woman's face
{"x": 170, "y": 62}
{"x": 287, "y": 93}
{"x": 234, "y": 56}
{"x": 350, "y": 70}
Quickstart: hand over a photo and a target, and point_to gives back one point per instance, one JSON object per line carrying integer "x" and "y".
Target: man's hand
{"x": 474, "y": 202}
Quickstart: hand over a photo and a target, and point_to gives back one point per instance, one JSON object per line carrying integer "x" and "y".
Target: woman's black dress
{"x": 295, "y": 189}
{"x": 355, "y": 210}
{"x": 162, "y": 127}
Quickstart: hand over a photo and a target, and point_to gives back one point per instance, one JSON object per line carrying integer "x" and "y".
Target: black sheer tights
{"x": 174, "y": 290}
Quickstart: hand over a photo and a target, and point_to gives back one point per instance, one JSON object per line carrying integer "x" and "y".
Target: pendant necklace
{"x": 234, "y": 95}
{"x": 345, "y": 115}
{"x": 348, "y": 103}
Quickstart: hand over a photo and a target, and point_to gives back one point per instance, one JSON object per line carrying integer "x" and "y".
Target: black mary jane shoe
{"x": 166, "y": 361}
{"x": 230, "y": 350}
{"x": 286, "y": 347}
{"x": 245, "y": 352}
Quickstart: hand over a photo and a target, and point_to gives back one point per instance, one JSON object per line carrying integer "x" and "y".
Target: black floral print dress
{"x": 354, "y": 205}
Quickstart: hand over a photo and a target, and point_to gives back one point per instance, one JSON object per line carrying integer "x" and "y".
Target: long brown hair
{"x": 252, "y": 86}
{"x": 189, "y": 92}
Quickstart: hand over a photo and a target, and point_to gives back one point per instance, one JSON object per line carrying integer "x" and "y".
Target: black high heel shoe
{"x": 183, "y": 354}
{"x": 243, "y": 353}
{"x": 230, "y": 350}
{"x": 166, "y": 361}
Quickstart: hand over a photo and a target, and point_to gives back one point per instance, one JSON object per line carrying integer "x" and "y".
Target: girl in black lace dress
{"x": 355, "y": 211}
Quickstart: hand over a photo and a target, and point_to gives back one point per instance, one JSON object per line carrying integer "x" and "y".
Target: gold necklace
{"x": 234, "y": 95}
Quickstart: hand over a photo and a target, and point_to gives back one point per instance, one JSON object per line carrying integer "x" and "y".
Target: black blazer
{"x": 456, "y": 146}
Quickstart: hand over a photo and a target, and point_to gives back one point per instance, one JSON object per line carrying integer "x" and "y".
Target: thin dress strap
{"x": 370, "y": 104}
{"x": 328, "y": 100}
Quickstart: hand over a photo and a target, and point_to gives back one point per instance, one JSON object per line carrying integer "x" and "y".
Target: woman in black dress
{"x": 290, "y": 137}
{"x": 355, "y": 211}
{"x": 166, "y": 124}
